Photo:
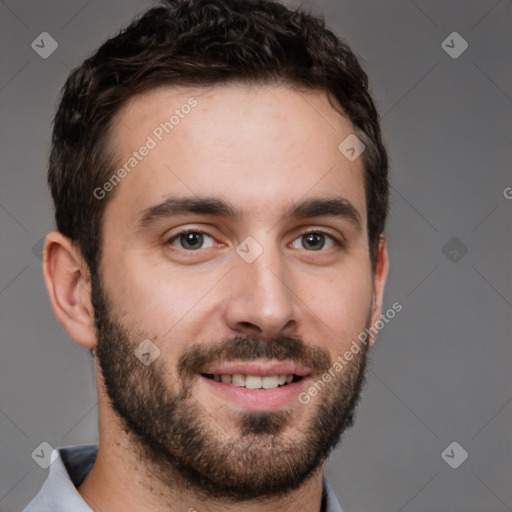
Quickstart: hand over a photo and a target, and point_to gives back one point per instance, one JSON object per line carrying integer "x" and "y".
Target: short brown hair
{"x": 201, "y": 43}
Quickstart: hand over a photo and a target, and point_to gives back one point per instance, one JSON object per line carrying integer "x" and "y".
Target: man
{"x": 221, "y": 191}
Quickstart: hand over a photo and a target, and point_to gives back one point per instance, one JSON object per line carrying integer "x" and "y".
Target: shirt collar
{"x": 69, "y": 469}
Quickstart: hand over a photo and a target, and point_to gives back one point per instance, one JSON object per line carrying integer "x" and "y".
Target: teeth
{"x": 254, "y": 381}
{"x": 270, "y": 382}
{"x": 238, "y": 380}
{"x": 226, "y": 378}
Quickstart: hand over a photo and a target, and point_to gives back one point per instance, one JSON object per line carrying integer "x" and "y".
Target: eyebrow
{"x": 337, "y": 207}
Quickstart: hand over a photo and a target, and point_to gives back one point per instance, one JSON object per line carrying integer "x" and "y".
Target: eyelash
{"x": 176, "y": 236}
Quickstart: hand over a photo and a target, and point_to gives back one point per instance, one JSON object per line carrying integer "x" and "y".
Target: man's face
{"x": 243, "y": 303}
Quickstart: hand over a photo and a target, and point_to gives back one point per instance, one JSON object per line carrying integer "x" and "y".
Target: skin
{"x": 261, "y": 148}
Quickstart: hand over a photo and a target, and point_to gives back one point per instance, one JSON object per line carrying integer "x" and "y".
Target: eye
{"x": 316, "y": 240}
{"x": 190, "y": 240}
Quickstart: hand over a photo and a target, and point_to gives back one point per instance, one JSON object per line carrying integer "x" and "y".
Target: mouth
{"x": 256, "y": 386}
{"x": 254, "y": 381}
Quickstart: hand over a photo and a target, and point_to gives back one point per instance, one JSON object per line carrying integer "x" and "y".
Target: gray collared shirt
{"x": 71, "y": 466}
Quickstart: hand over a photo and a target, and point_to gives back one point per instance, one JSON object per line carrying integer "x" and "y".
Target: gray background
{"x": 440, "y": 370}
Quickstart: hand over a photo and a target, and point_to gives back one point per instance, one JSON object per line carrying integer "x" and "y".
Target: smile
{"x": 254, "y": 381}
{"x": 257, "y": 385}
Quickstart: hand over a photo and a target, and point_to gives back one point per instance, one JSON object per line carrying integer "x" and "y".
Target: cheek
{"x": 155, "y": 300}
{"x": 339, "y": 306}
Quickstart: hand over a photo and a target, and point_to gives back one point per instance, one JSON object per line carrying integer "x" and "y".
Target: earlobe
{"x": 379, "y": 282}
{"x": 68, "y": 282}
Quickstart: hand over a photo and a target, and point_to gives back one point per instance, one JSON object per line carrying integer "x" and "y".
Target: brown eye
{"x": 190, "y": 240}
{"x": 316, "y": 241}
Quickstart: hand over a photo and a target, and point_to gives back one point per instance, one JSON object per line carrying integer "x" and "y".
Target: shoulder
{"x": 69, "y": 468}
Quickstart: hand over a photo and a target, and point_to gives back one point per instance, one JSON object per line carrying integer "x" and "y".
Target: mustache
{"x": 248, "y": 348}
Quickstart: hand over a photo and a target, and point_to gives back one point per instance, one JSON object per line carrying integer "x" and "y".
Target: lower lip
{"x": 258, "y": 399}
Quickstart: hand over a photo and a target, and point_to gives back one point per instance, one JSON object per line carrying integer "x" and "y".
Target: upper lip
{"x": 261, "y": 369}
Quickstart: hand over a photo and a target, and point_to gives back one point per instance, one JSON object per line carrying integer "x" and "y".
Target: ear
{"x": 379, "y": 282}
{"x": 67, "y": 278}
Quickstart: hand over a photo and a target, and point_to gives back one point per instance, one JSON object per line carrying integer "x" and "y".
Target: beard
{"x": 181, "y": 443}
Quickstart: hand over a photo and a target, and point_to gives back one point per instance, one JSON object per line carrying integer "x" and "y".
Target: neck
{"x": 120, "y": 480}
{"x": 123, "y": 479}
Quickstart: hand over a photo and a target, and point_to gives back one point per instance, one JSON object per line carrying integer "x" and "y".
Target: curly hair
{"x": 202, "y": 43}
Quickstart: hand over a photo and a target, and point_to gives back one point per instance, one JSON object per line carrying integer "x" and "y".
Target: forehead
{"x": 261, "y": 147}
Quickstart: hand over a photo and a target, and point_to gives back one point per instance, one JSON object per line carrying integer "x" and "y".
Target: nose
{"x": 261, "y": 299}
